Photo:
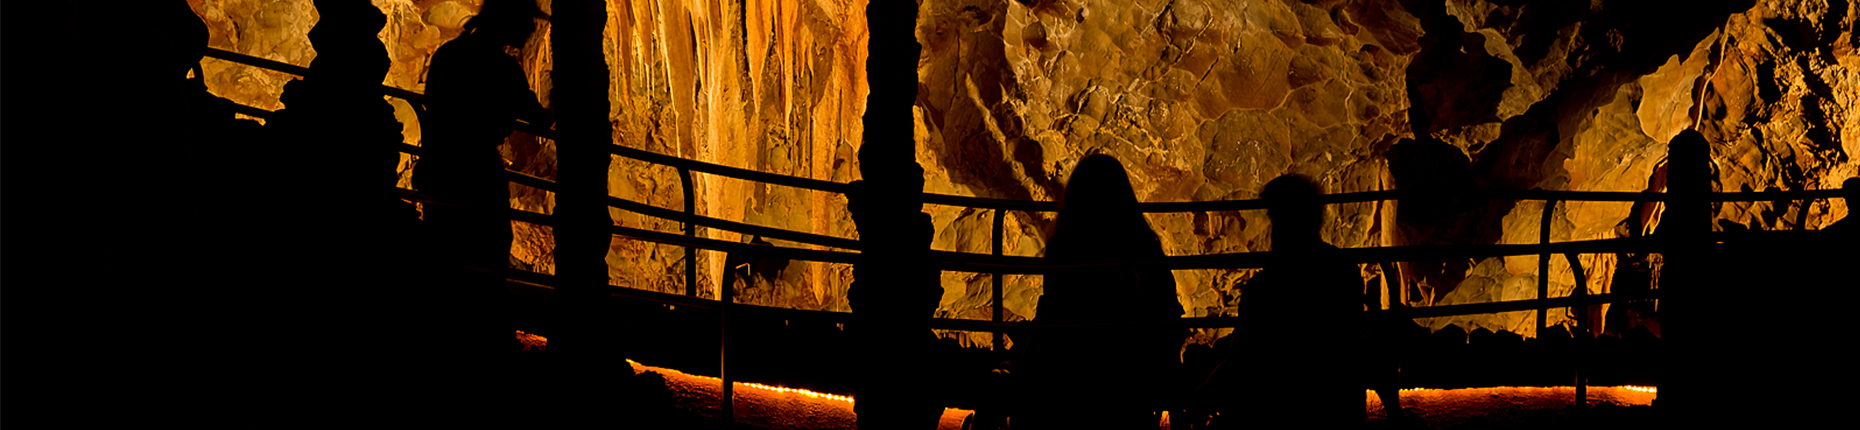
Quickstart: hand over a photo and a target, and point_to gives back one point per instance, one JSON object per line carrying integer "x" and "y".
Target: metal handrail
{"x": 528, "y": 279}
{"x": 998, "y": 264}
{"x": 980, "y": 263}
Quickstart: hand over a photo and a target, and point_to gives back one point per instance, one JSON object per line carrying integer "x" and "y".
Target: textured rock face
{"x": 1208, "y": 99}
{"x": 1201, "y": 99}
{"x": 768, "y": 86}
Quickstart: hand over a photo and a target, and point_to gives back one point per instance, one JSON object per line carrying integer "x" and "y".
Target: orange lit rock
{"x": 1203, "y": 99}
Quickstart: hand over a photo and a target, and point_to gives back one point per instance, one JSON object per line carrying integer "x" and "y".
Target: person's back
{"x": 1301, "y": 322}
{"x": 475, "y": 91}
{"x": 1111, "y": 377}
{"x": 474, "y": 94}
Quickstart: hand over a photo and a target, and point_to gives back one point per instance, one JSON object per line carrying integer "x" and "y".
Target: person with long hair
{"x": 1103, "y": 377}
{"x": 475, "y": 93}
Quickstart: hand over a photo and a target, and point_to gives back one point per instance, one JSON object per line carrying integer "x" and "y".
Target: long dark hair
{"x": 1098, "y": 217}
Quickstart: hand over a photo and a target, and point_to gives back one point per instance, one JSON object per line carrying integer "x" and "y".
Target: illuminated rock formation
{"x": 1203, "y": 99}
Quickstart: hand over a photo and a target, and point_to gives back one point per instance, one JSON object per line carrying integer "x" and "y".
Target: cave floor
{"x": 1516, "y": 408}
{"x": 768, "y": 407}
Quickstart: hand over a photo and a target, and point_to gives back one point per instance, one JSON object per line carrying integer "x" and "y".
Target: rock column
{"x": 588, "y": 360}
{"x": 894, "y": 290}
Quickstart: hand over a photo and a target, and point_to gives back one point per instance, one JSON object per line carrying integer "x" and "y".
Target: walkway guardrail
{"x": 996, "y": 264}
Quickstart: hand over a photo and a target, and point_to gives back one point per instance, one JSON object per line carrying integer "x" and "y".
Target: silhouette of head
{"x": 347, "y": 16}
{"x": 1688, "y": 163}
{"x": 506, "y": 22}
{"x": 1100, "y": 206}
{"x": 345, "y": 37}
{"x": 1295, "y": 212}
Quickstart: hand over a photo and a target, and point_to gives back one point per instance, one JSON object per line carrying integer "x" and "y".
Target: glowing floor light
{"x": 768, "y": 388}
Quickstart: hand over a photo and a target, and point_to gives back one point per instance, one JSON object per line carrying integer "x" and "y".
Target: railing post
{"x": 725, "y": 294}
{"x": 999, "y": 339}
{"x": 728, "y": 297}
{"x": 1543, "y": 263}
{"x": 684, "y": 177}
{"x": 1392, "y": 289}
{"x": 1582, "y": 327}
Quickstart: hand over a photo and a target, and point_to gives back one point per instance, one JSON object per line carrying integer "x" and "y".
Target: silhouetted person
{"x": 475, "y": 92}
{"x": 337, "y": 130}
{"x": 315, "y": 176}
{"x": 1690, "y": 294}
{"x": 1301, "y": 316}
{"x": 1111, "y": 378}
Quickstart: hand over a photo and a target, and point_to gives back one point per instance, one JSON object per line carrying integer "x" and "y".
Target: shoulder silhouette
{"x": 1066, "y": 372}
{"x": 1300, "y": 314}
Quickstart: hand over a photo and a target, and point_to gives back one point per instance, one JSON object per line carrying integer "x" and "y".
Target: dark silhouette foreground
{"x": 474, "y": 92}
{"x": 1293, "y": 362}
{"x": 1111, "y": 378}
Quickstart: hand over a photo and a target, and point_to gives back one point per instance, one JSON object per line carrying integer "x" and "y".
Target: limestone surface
{"x": 1201, "y": 99}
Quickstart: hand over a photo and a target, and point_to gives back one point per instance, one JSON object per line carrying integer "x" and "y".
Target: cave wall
{"x": 1209, "y": 99}
{"x": 1201, "y": 99}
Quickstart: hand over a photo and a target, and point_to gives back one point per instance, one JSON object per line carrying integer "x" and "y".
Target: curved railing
{"x": 997, "y": 264}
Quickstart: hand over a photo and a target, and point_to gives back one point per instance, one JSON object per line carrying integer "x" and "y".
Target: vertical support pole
{"x": 1582, "y": 326}
{"x": 724, "y": 293}
{"x": 1000, "y": 341}
{"x": 691, "y": 285}
{"x": 1543, "y": 264}
{"x": 1390, "y": 341}
{"x": 728, "y": 297}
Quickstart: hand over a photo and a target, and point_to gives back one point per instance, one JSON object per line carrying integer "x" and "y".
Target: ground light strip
{"x": 541, "y": 343}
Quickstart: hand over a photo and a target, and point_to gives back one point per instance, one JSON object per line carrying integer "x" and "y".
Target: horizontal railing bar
{"x": 263, "y": 63}
{"x": 735, "y": 227}
{"x": 982, "y": 263}
{"x": 736, "y": 247}
{"x": 529, "y": 180}
{"x": 1514, "y": 305}
{"x": 987, "y": 203}
{"x": 733, "y": 172}
{"x": 280, "y": 66}
{"x": 732, "y": 226}
{"x": 543, "y": 281}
